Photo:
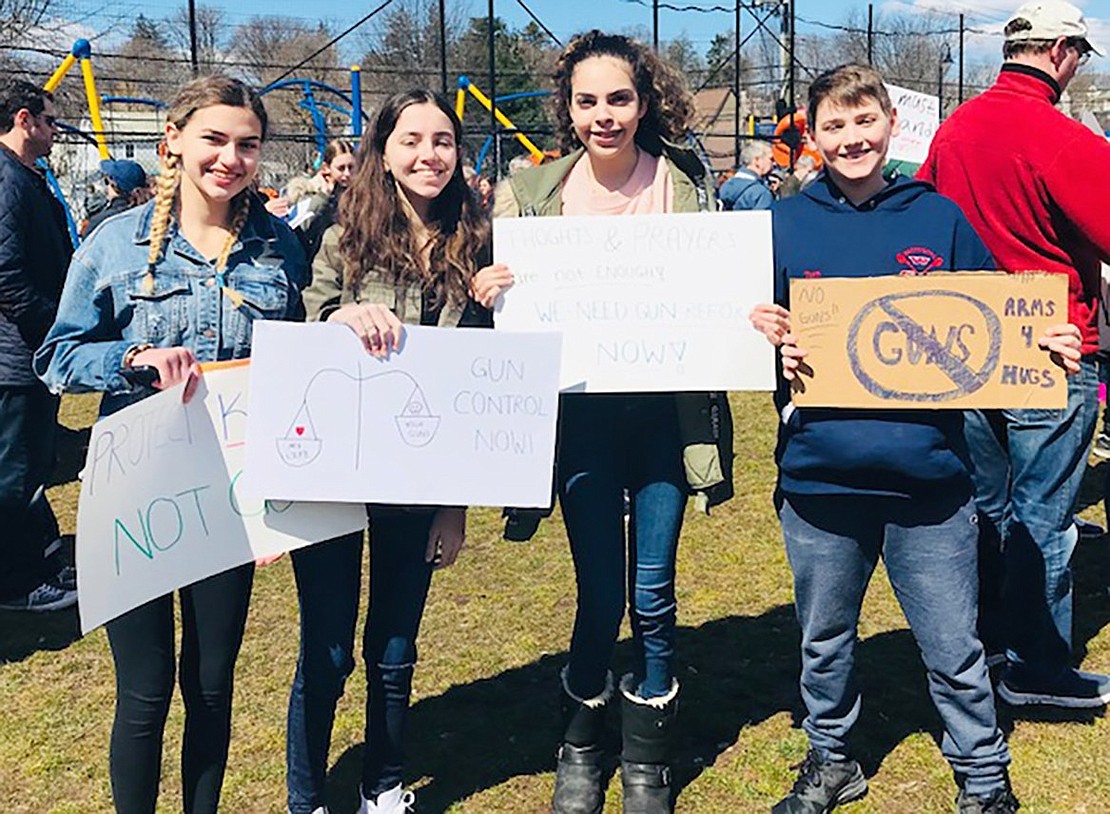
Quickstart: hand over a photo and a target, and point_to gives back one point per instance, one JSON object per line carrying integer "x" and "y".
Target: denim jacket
{"x": 105, "y": 311}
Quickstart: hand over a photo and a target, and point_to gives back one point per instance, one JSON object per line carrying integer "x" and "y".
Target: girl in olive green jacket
{"x": 409, "y": 239}
{"x": 616, "y": 106}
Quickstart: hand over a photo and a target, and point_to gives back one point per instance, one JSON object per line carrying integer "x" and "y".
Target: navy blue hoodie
{"x": 907, "y": 228}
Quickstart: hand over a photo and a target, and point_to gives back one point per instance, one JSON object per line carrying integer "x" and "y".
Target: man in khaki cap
{"x": 1032, "y": 182}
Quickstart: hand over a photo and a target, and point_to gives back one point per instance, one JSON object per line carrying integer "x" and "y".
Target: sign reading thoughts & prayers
{"x": 644, "y": 302}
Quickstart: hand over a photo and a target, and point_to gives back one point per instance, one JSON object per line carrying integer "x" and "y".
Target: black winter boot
{"x": 580, "y": 774}
{"x": 646, "y": 725}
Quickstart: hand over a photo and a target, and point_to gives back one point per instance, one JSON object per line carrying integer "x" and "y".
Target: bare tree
{"x": 909, "y": 50}
{"x": 144, "y": 65}
{"x": 403, "y": 46}
{"x": 211, "y": 24}
{"x": 266, "y": 47}
{"x": 17, "y": 17}
{"x": 683, "y": 54}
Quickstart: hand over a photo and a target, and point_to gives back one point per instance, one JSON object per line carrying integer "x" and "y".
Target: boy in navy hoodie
{"x": 855, "y": 485}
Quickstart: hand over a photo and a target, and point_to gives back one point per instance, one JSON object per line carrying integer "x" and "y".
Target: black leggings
{"x": 213, "y": 615}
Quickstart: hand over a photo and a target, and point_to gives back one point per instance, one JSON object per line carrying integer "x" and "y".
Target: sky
{"x": 566, "y": 17}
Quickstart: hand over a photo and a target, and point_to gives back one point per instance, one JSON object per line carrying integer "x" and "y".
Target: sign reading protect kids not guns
{"x": 162, "y": 502}
{"x": 943, "y": 340}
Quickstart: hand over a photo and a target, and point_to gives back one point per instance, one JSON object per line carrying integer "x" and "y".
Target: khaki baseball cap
{"x": 1050, "y": 19}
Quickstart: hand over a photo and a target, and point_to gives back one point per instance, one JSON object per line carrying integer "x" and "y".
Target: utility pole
{"x": 788, "y": 20}
{"x": 193, "y": 37}
{"x": 442, "y": 46}
{"x": 493, "y": 97}
{"x": 655, "y": 25}
{"x": 870, "y": 33}
{"x": 736, "y": 87}
{"x": 960, "y": 96}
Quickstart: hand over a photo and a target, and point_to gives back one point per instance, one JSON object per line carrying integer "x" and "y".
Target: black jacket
{"x": 118, "y": 204}
{"x": 34, "y": 254}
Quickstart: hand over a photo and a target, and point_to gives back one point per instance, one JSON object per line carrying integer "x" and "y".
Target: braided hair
{"x": 205, "y": 91}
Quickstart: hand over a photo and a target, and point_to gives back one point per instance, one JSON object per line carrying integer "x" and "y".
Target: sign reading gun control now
{"x": 944, "y": 340}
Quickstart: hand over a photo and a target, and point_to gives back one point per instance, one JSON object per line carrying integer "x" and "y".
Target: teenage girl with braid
{"x": 168, "y": 285}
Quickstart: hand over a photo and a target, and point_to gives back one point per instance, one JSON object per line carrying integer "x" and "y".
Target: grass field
{"x": 494, "y": 636}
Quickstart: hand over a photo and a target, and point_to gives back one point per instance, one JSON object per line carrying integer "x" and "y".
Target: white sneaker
{"x": 396, "y": 800}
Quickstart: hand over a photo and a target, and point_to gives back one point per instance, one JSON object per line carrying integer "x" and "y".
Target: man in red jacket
{"x": 1033, "y": 182}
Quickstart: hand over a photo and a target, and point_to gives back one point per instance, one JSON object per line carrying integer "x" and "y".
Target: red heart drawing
{"x": 300, "y": 430}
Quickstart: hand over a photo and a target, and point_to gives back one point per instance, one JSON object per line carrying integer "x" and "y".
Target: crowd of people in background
{"x": 971, "y": 511}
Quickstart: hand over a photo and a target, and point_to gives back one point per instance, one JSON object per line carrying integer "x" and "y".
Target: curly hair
{"x": 377, "y": 233}
{"x": 660, "y": 86}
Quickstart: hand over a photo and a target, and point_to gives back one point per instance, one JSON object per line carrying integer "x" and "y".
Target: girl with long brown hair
{"x": 410, "y": 238}
{"x": 168, "y": 285}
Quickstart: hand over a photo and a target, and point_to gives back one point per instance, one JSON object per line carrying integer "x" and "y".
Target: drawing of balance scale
{"x": 300, "y": 445}
{"x": 416, "y": 424}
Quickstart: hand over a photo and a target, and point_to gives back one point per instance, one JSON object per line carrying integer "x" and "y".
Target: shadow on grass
{"x": 24, "y": 634}
{"x": 737, "y": 672}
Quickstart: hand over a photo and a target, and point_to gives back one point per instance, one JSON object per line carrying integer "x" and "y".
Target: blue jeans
{"x": 607, "y": 444}
{"x": 929, "y": 547}
{"x": 328, "y": 582}
{"x": 1028, "y": 466}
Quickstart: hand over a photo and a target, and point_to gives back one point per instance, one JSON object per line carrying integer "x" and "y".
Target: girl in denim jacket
{"x": 144, "y": 292}
{"x": 410, "y": 237}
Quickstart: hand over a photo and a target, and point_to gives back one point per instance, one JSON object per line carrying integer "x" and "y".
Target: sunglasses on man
{"x": 1082, "y": 47}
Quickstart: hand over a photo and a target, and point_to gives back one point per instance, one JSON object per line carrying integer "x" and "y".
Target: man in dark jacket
{"x": 34, "y": 255}
{"x": 1038, "y": 204}
{"x": 124, "y": 181}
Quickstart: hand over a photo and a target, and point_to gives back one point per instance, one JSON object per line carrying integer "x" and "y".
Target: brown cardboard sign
{"x": 943, "y": 340}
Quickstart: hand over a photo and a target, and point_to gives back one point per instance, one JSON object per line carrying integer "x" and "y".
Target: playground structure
{"x": 465, "y": 86}
{"x": 316, "y": 98}
{"x": 82, "y": 52}
{"x": 315, "y": 106}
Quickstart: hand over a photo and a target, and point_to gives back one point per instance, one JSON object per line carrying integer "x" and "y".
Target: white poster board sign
{"x": 162, "y": 501}
{"x": 918, "y": 120}
{"x": 457, "y": 417}
{"x": 645, "y": 302}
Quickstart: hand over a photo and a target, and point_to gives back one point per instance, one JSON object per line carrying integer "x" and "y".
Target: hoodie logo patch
{"x": 918, "y": 260}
